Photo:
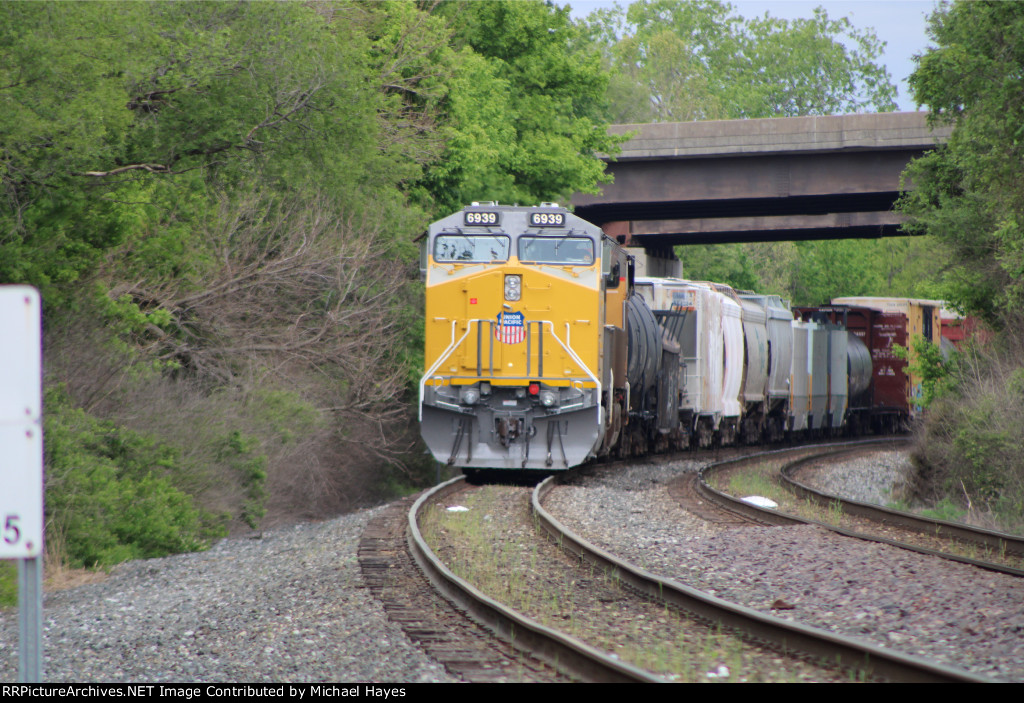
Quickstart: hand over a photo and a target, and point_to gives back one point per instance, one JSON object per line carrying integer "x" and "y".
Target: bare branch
{"x": 295, "y": 292}
{"x": 152, "y": 168}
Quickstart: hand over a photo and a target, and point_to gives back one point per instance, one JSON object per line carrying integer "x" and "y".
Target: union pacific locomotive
{"x": 544, "y": 350}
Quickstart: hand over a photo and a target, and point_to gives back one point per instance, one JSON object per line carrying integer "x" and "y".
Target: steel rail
{"x": 786, "y": 635}
{"x": 1000, "y": 542}
{"x": 732, "y": 504}
{"x": 558, "y": 649}
{"x": 977, "y": 536}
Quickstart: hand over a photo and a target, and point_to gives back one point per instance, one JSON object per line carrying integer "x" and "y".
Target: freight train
{"x": 544, "y": 350}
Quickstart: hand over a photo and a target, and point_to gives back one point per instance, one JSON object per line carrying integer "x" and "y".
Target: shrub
{"x": 110, "y": 493}
{"x": 968, "y": 451}
{"x": 8, "y": 584}
{"x": 927, "y": 364}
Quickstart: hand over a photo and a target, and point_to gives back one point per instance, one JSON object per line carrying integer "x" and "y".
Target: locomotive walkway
{"x": 775, "y": 179}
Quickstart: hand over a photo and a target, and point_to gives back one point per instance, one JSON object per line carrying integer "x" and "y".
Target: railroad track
{"x": 458, "y": 642}
{"x": 582, "y": 661}
{"x": 1000, "y": 552}
{"x": 587, "y": 604}
{"x": 579, "y": 661}
{"x": 587, "y": 663}
{"x": 881, "y": 663}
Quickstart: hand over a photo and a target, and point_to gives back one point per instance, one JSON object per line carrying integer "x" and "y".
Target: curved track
{"x": 464, "y": 647}
{"x": 586, "y": 663}
{"x": 883, "y": 525}
{"x": 854, "y": 654}
{"x": 557, "y": 648}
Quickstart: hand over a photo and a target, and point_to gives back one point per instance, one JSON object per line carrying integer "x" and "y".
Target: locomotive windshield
{"x": 557, "y": 250}
{"x": 470, "y": 248}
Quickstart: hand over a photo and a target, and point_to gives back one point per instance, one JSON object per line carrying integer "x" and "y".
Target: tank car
{"x": 543, "y": 350}
{"x": 529, "y": 362}
{"x": 779, "y": 329}
{"x": 881, "y": 395}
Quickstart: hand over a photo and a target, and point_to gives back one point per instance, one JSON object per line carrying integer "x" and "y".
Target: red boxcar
{"x": 885, "y": 405}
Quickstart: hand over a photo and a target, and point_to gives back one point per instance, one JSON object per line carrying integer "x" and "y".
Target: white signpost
{"x": 21, "y": 465}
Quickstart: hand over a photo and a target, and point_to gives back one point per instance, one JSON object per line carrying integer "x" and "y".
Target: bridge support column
{"x": 658, "y": 262}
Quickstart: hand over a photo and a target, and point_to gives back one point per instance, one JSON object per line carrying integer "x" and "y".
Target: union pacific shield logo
{"x": 510, "y": 328}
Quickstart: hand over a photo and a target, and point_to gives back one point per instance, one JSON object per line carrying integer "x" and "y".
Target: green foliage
{"x": 814, "y": 272}
{"x": 61, "y": 110}
{"x": 238, "y": 454}
{"x": 969, "y": 444}
{"x": 947, "y": 510}
{"x": 968, "y": 194}
{"x": 282, "y": 415}
{"x": 8, "y": 584}
{"x": 980, "y": 443}
{"x": 679, "y": 60}
{"x": 525, "y": 107}
{"x": 723, "y": 263}
{"x": 832, "y": 268}
{"x": 122, "y": 120}
{"x": 110, "y": 492}
{"x": 928, "y": 364}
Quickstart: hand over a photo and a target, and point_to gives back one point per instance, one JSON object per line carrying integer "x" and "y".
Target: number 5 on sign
{"x": 21, "y": 424}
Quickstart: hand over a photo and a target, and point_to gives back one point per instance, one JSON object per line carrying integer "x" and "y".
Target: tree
{"x": 119, "y": 120}
{"x": 61, "y": 113}
{"x": 218, "y": 201}
{"x": 212, "y": 198}
{"x": 722, "y": 263}
{"x": 833, "y": 268}
{"x": 969, "y": 193}
{"x": 691, "y": 59}
{"x": 525, "y": 109}
{"x": 800, "y": 67}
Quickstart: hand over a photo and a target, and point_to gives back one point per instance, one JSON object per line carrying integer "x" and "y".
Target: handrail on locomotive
{"x": 454, "y": 346}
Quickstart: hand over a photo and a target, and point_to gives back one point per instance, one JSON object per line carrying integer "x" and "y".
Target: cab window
{"x": 470, "y": 248}
{"x": 557, "y": 250}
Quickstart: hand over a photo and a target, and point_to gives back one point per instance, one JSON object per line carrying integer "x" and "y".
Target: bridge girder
{"x": 759, "y": 180}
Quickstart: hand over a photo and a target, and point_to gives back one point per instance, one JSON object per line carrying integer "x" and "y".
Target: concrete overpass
{"x": 788, "y": 178}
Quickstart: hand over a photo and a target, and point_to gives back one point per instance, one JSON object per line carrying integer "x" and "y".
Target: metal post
{"x": 30, "y": 620}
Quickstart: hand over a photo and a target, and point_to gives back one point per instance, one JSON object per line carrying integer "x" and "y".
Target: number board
{"x": 21, "y": 427}
{"x": 547, "y": 219}
{"x": 478, "y": 218}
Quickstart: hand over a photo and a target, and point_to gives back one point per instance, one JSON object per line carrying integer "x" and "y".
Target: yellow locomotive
{"x": 542, "y": 352}
{"x": 526, "y": 338}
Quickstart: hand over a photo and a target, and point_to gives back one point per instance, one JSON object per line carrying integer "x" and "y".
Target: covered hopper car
{"x": 544, "y": 350}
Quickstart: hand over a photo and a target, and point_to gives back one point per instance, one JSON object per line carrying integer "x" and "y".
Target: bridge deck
{"x": 759, "y": 180}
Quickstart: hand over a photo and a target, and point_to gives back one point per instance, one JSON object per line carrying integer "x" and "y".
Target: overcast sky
{"x": 898, "y": 23}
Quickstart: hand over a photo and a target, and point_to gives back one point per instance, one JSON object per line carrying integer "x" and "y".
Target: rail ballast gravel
{"x": 785, "y": 635}
{"x": 557, "y": 648}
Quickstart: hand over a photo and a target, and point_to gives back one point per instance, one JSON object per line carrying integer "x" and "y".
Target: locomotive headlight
{"x": 548, "y": 398}
{"x": 470, "y": 396}
{"x": 513, "y": 287}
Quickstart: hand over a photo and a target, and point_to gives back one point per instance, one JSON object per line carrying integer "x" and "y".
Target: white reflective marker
{"x": 21, "y": 423}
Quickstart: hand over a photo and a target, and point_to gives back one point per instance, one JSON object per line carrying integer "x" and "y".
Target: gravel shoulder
{"x": 290, "y": 606}
{"x": 956, "y": 614}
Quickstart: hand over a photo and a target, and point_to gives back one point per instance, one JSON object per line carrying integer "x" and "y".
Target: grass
{"x": 945, "y": 509}
{"x": 760, "y": 480}
{"x": 8, "y": 584}
{"x": 499, "y": 552}
{"x": 757, "y": 482}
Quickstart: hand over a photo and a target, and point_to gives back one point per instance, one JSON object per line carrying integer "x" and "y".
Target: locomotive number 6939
{"x": 481, "y": 218}
{"x": 547, "y": 219}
